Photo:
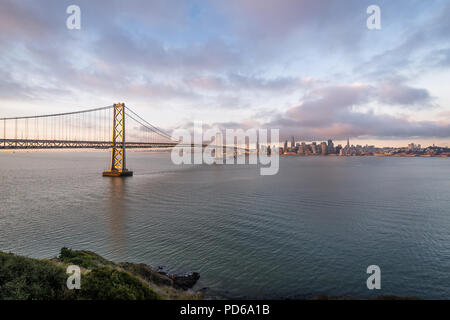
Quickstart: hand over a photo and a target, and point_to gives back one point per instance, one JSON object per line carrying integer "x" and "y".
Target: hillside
{"x": 23, "y": 278}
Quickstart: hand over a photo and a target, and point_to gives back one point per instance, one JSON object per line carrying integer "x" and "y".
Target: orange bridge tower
{"x": 118, "y": 159}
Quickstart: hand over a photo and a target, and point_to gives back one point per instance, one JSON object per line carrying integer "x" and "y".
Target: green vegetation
{"x": 23, "y": 278}
{"x": 106, "y": 283}
{"x": 83, "y": 258}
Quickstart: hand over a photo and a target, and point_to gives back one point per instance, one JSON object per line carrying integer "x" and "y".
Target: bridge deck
{"x": 17, "y": 144}
{"x": 68, "y": 144}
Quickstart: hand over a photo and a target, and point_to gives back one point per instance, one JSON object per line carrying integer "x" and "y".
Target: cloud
{"x": 330, "y": 112}
{"x": 394, "y": 93}
{"x": 20, "y": 20}
{"x": 243, "y": 82}
{"x": 416, "y": 49}
{"x": 439, "y": 58}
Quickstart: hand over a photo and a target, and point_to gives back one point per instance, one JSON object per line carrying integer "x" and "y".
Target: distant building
{"x": 324, "y": 148}
{"x": 414, "y": 147}
{"x": 257, "y": 144}
{"x": 330, "y": 146}
{"x": 314, "y": 148}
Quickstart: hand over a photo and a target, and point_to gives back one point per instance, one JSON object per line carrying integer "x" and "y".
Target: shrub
{"x": 106, "y": 283}
{"x": 83, "y": 258}
{"x": 24, "y": 278}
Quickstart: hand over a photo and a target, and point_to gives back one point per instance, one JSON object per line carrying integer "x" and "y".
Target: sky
{"x": 310, "y": 68}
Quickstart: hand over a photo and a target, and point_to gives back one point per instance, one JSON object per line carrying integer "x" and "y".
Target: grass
{"x": 83, "y": 258}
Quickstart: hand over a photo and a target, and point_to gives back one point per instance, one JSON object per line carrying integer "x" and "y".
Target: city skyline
{"x": 330, "y": 147}
{"x": 383, "y": 143}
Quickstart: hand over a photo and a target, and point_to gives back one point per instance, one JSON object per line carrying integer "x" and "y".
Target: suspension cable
{"x": 155, "y": 129}
{"x": 57, "y": 114}
{"x": 145, "y": 126}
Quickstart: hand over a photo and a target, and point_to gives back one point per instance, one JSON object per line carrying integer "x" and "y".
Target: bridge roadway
{"x": 18, "y": 144}
{"x": 75, "y": 144}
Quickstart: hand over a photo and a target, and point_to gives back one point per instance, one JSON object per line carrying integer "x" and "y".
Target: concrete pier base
{"x": 117, "y": 173}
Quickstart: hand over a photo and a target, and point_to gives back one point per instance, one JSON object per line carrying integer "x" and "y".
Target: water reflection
{"x": 117, "y": 210}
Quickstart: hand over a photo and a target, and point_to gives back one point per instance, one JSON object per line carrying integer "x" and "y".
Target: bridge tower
{"x": 118, "y": 160}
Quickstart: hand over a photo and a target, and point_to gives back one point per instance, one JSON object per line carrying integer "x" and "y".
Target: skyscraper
{"x": 323, "y": 147}
{"x": 330, "y": 146}
{"x": 257, "y": 144}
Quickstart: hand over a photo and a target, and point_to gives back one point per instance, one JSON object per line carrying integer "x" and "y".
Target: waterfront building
{"x": 314, "y": 148}
{"x": 324, "y": 148}
{"x": 330, "y": 146}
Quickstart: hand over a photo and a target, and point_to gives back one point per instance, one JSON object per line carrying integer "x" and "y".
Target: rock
{"x": 146, "y": 273}
{"x": 185, "y": 281}
{"x": 180, "y": 281}
{"x": 162, "y": 270}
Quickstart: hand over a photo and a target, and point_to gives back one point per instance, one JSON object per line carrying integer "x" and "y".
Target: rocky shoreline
{"x": 184, "y": 281}
{"x": 26, "y": 278}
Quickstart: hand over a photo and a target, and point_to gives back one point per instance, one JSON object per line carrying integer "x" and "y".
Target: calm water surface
{"x": 312, "y": 229}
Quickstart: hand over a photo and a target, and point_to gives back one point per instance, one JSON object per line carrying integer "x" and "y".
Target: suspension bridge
{"x": 114, "y": 127}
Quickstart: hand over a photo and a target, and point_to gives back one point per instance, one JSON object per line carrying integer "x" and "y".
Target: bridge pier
{"x": 112, "y": 173}
{"x": 118, "y": 159}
